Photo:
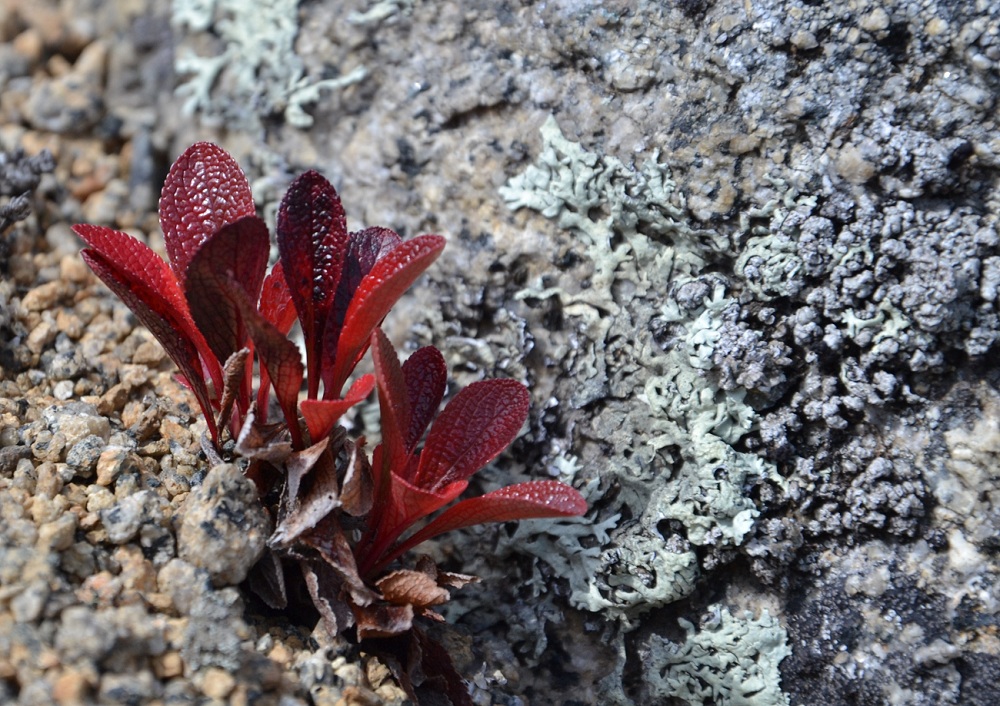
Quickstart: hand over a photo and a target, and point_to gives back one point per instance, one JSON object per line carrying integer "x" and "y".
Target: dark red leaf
{"x": 480, "y": 422}
{"x": 426, "y": 376}
{"x": 275, "y": 306}
{"x": 312, "y": 243}
{"x": 278, "y": 356}
{"x": 170, "y": 324}
{"x": 238, "y": 253}
{"x": 522, "y": 501}
{"x": 204, "y": 190}
{"x": 322, "y": 415}
{"x": 365, "y": 248}
{"x": 393, "y": 400}
{"x": 276, "y": 300}
{"x": 376, "y": 294}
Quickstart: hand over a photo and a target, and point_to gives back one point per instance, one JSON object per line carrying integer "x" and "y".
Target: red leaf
{"x": 365, "y": 248}
{"x": 480, "y": 422}
{"x": 312, "y": 242}
{"x": 275, "y": 306}
{"x": 204, "y": 190}
{"x": 276, "y": 300}
{"x": 170, "y": 324}
{"x": 522, "y": 501}
{"x": 322, "y": 415}
{"x": 393, "y": 401}
{"x": 238, "y": 252}
{"x": 394, "y": 513}
{"x": 426, "y": 375}
{"x": 376, "y": 294}
{"x": 278, "y": 356}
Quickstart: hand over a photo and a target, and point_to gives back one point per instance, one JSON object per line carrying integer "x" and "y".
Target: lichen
{"x": 681, "y": 467}
{"x": 257, "y": 73}
{"x": 728, "y": 661}
{"x": 380, "y": 11}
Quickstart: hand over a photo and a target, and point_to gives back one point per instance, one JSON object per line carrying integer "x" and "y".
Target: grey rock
{"x": 224, "y": 528}
{"x": 184, "y": 583}
{"x": 75, "y": 420}
{"x": 84, "y": 454}
{"x": 123, "y": 520}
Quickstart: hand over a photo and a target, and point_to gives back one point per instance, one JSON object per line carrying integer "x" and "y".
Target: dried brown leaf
{"x": 324, "y": 588}
{"x": 416, "y": 588}
{"x": 357, "y": 493}
{"x": 383, "y": 620}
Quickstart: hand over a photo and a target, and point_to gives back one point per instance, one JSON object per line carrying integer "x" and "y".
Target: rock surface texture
{"x": 744, "y": 254}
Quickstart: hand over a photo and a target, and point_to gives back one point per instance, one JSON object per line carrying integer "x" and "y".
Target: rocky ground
{"x": 745, "y": 255}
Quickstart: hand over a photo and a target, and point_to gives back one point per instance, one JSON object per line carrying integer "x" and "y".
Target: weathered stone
{"x": 224, "y": 528}
{"x": 84, "y": 455}
{"x": 123, "y": 520}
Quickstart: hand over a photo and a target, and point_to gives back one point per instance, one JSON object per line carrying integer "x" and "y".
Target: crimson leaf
{"x": 480, "y": 422}
{"x": 321, "y": 415}
{"x": 521, "y": 501}
{"x": 275, "y": 306}
{"x": 276, "y": 300}
{"x": 394, "y": 402}
{"x": 426, "y": 374}
{"x": 238, "y": 252}
{"x": 365, "y": 248}
{"x": 376, "y": 294}
{"x": 278, "y": 356}
{"x": 204, "y": 190}
{"x": 312, "y": 242}
{"x": 147, "y": 286}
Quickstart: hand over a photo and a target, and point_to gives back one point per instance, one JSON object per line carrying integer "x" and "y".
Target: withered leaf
{"x": 324, "y": 589}
{"x": 356, "y": 493}
{"x": 233, "y": 374}
{"x": 382, "y": 619}
{"x": 267, "y": 580}
{"x": 416, "y": 588}
{"x": 328, "y": 538}
{"x": 311, "y": 492}
{"x": 263, "y": 442}
{"x": 422, "y": 666}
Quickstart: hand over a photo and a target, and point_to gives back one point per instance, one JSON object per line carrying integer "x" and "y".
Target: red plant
{"x": 213, "y": 300}
{"x": 481, "y": 421}
{"x": 343, "y": 520}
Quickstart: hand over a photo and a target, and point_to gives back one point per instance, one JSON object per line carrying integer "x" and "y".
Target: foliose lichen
{"x": 726, "y": 661}
{"x": 685, "y": 485}
{"x": 256, "y": 72}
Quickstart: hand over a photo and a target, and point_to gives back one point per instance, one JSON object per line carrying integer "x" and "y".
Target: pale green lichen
{"x": 380, "y": 11}
{"x": 257, "y": 73}
{"x": 729, "y": 661}
{"x": 606, "y": 204}
{"x": 633, "y": 226}
{"x": 707, "y": 495}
